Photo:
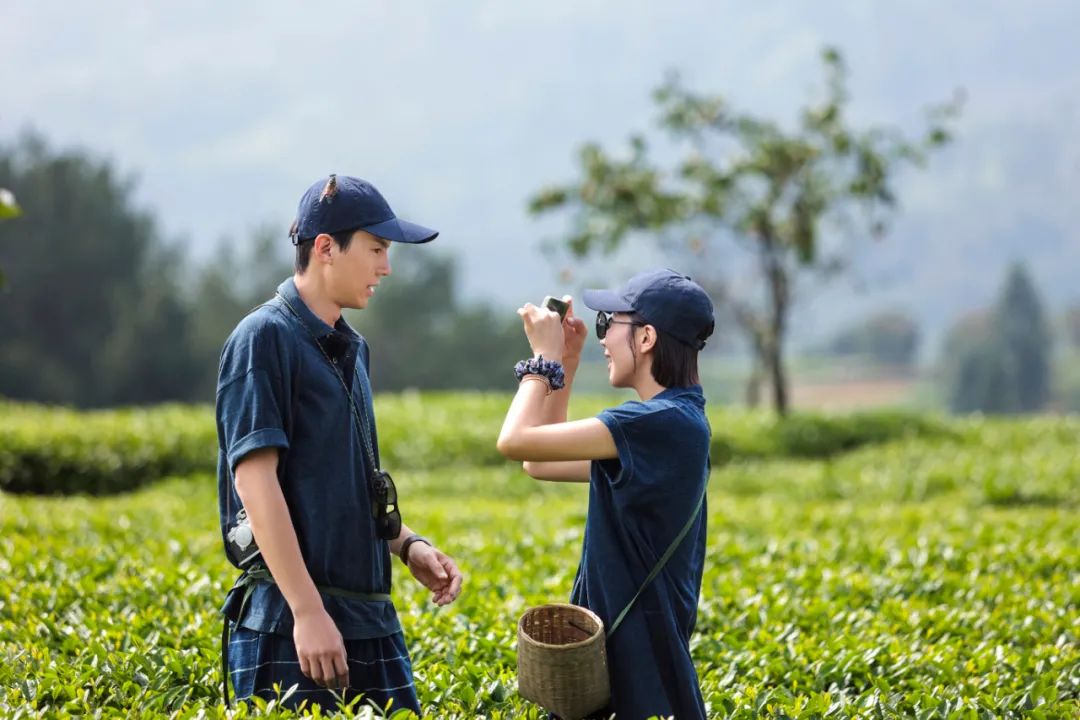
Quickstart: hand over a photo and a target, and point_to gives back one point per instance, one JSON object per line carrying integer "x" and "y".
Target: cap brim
{"x": 605, "y": 300}
{"x": 398, "y": 230}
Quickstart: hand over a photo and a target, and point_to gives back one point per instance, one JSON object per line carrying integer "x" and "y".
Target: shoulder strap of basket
{"x": 662, "y": 561}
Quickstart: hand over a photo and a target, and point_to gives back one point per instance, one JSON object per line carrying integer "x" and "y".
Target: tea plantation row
{"x": 932, "y": 575}
{"x": 61, "y": 451}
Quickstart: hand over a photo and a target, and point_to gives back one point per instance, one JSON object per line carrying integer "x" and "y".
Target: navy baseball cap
{"x": 340, "y": 203}
{"x": 667, "y": 300}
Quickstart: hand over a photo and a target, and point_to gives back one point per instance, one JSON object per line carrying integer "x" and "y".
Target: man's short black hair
{"x": 304, "y": 245}
{"x": 674, "y": 363}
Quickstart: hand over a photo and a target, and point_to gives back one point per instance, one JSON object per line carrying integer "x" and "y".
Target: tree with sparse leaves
{"x": 746, "y": 181}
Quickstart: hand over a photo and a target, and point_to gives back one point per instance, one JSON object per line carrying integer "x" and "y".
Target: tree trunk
{"x": 777, "y": 277}
{"x": 778, "y": 379}
{"x": 753, "y": 382}
{"x": 755, "y": 330}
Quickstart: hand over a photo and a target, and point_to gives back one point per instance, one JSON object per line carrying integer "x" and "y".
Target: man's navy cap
{"x": 665, "y": 299}
{"x": 340, "y": 203}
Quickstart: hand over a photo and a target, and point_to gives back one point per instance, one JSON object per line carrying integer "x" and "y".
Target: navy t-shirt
{"x": 276, "y": 388}
{"x": 638, "y": 503}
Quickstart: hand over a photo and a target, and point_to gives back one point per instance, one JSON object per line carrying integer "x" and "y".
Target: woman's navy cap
{"x": 335, "y": 204}
{"x": 665, "y": 299}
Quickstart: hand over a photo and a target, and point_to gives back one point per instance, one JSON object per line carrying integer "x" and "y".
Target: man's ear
{"x": 322, "y": 248}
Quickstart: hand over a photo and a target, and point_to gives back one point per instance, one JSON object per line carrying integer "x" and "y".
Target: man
{"x": 304, "y": 506}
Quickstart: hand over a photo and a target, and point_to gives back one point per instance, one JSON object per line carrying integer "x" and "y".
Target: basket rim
{"x": 522, "y": 635}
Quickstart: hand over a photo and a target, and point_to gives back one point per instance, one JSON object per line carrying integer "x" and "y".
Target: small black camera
{"x": 557, "y": 305}
{"x": 241, "y": 541}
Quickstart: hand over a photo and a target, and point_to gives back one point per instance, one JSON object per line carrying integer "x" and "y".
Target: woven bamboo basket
{"x": 562, "y": 660}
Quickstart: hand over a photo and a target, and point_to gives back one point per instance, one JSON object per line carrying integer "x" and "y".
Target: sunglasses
{"x": 605, "y": 320}
{"x": 385, "y": 510}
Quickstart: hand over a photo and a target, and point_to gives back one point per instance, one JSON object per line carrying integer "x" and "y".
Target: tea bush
{"x": 931, "y": 576}
{"x": 62, "y": 451}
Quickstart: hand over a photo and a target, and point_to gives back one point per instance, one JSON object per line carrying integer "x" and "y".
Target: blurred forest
{"x": 100, "y": 309}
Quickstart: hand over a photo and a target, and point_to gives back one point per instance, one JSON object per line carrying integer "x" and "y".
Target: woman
{"x": 647, "y": 463}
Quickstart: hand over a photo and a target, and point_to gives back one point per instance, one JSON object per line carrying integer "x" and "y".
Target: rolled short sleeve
{"x": 251, "y": 398}
{"x": 635, "y": 427}
{"x": 250, "y": 416}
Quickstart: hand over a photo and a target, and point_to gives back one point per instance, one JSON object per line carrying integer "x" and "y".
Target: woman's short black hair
{"x": 304, "y": 245}
{"x": 674, "y": 363}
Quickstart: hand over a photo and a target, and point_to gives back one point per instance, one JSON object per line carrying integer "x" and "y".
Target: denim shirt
{"x": 276, "y": 388}
{"x": 638, "y": 503}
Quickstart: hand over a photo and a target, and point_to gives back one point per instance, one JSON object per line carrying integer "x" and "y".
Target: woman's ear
{"x": 647, "y": 341}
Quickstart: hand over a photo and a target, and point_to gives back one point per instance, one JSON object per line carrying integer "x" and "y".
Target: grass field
{"x": 929, "y": 577}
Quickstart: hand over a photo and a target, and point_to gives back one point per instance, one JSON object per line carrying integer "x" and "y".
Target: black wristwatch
{"x": 403, "y": 553}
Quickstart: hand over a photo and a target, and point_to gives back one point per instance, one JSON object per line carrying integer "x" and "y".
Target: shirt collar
{"x": 691, "y": 392}
{"x": 316, "y": 325}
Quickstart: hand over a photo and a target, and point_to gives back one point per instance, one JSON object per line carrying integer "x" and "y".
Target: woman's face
{"x": 622, "y": 363}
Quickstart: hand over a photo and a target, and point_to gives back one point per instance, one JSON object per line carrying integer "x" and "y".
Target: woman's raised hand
{"x": 575, "y": 333}
{"x": 544, "y": 330}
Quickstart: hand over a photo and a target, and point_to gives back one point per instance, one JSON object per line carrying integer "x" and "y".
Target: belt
{"x": 252, "y": 577}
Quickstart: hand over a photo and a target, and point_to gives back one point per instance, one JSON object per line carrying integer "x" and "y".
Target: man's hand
{"x": 435, "y": 571}
{"x": 320, "y": 649}
{"x": 319, "y": 646}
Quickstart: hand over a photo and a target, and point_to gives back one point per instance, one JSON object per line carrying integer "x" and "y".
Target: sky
{"x": 458, "y": 112}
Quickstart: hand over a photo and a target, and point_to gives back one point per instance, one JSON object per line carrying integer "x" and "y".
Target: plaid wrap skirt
{"x": 380, "y": 673}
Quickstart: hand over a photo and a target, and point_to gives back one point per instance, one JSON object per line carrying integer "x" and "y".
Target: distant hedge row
{"x": 808, "y": 435}
{"x": 61, "y": 451}
{"x": 426, "y": 431}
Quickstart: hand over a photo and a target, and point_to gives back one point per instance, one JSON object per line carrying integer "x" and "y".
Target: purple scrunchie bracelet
{"x": 550, "y": 369}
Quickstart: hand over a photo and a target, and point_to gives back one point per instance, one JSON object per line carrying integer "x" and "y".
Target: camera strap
{"x": 362, "y": 427}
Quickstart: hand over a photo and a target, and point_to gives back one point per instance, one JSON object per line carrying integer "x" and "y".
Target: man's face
{"x": 356, "y": 272}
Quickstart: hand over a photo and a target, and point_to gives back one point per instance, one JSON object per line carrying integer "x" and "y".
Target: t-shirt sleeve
{"x": 634, "y": 426}
{"x": 250, "y": 400}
